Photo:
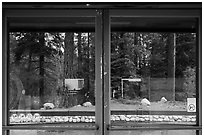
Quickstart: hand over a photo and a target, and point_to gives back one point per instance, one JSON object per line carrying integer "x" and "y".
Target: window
{"x": 101, "y": 68}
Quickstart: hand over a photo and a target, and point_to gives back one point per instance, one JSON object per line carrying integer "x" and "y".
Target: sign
{"x": 191, "y": 104}
{"x": 74, "y": 84}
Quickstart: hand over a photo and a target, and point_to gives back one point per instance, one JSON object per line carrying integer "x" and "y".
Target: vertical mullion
{"x": 199, "y": 76}
{"x": 107, "y": 71}
{"x": 5, "y": 62}
{"x": 98, "y": 73}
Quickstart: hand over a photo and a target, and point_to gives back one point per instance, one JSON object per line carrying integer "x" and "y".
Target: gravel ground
{"x": 155, "y": 106}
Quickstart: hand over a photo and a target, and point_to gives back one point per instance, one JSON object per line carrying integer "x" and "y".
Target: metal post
{"x": 122, "y": 87}
{"x": 5, "y": 62}
{"x": 107, "y": 70}
{"x": 98, "y": 74}
{"x": 199, "y": 75}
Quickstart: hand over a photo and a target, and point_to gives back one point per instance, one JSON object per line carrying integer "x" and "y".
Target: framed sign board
{"x": 74, "y": 84}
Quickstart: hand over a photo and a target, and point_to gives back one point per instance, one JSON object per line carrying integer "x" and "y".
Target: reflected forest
{"x": 39, "y": 63}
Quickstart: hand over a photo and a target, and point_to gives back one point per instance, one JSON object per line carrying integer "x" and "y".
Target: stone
{"x": 132, "y": 119}
{"x": 160, "y": 119}
{"x": 188, "y": 119}
{"x": 87, "y": 120}
{"x": 82, "y": 119}
{"x": 74, "y": 120}
{"x": 166, "y": 119}
{"x": 66, "y": 119}
{"x": 163, "y": 100}
{"x": 87, "y": 104}
{"x": 180, "y": 117}
{"x": 48, "y": 106}
{"x": 156, "y": 116}
{"x": 117, "y": 118}
{"x": 127, "y": 119}
{"x": 29, "y": 115}
{"x": 122, "y": 117}
{"x": 145, "y": 102}
{"x": 193, "y": 119}
{"x": 36, "y": 115}
{"x": 175, "y": 117}
{"x": 70, "y": 120}
{"x": 147, "y": 119}
{"x": 90, "y": 120}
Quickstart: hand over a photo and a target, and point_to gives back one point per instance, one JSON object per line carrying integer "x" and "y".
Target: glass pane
{"x": 51, "y": 77}
{"x": 154, "y": 132}
{"x": 52, "y": 132}
{"x": 153, "y": 76}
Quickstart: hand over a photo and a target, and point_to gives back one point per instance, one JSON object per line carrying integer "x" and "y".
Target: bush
{"x": 190, "y": 82}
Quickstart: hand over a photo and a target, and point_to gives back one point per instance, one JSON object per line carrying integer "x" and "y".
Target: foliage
{"x": 133, "y": 55}
{"x": 190, "y": 82}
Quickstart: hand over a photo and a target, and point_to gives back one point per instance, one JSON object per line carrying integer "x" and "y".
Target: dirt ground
{"x": 155, "y": 106}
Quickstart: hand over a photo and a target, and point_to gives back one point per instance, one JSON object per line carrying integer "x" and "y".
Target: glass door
{"x": 53, "y": 72}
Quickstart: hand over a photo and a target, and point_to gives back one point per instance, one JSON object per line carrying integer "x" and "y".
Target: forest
{"x": 39, "y": 63}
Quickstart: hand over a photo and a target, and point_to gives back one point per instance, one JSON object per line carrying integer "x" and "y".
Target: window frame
{"x": 159, "y": 13}
{"x": 102, "y": 13}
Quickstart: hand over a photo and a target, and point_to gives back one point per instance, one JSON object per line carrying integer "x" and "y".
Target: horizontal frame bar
{"x": 53, "y": 127}
{"x": 155, "y": 13}
{"x": 111, "y": 128}
{"x": 92, "y": 113}
{"x": 105, "y": 5}
{"x": 50, "y": 13}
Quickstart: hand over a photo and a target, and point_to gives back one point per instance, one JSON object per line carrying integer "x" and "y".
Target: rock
{"x": 160, "y": 119}
{"x": 117, "y": 118}
{"x": 74, "y": 120}
{"x": 122, "y": 117}
{"x": 175, "y": 117}
{"x": 87, "y": 104}
{"x": 147, "y": 119}
{"x": 78, "y": 120}
{"x": 87, "y": 120}
{"x": 156, "y": 116}
{"x": 70, "y": 120}
{"x": 145, "y": 102}
{"x": 127, "y": 119}
{"x": 90, "y": 120}
{"x": 66, "y": 119}
{"x": 78, "y": 105}
{"x": 48, "y": 106}
{"x": 36, "y": 115}
{"x": 132, "y": 119}
{"x": 82, "y": 119}
{"x": 188, "y": 119}
{"x": 163, "y": 100}
{"x": 47, "y": 120}
{"x": 193, "y": 119}
{"x": 166, "y": 119}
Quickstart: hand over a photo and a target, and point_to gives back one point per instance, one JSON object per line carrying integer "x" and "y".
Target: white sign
{"x": 191, "y": 104}
{"x": 74, "y": 84}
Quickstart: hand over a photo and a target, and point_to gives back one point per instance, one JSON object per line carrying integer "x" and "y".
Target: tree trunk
{"x": 69, "y": 55}
{"x": 69, "y": 71}
{"x": 171, "y": 53}
{"x": 41, "y": 69}
{"x": 79, "y": 56}
{"x": 88, "y": 70}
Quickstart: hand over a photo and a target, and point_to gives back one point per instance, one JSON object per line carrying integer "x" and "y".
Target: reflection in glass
{"x": 52, "y": 132}
{"x": 50, "y": 74}
{"x": 152, "y": 75}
